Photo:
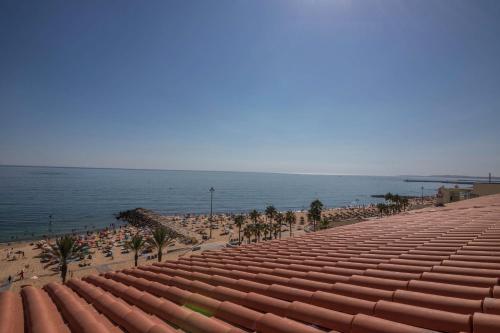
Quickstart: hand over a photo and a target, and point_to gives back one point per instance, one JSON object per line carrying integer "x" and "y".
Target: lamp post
{"x": 212, "y": 190}
{"x": 422, "y": 197}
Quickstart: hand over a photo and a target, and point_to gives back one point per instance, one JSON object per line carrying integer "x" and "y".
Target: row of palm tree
{"x": 274, "y": 220}
{"x": 160, "y": 238}
{"x": 270, "y": 228}
{"x": 394, "y": 203}
{"x": 314, "y": 213}
{"x": 67, "y": 248}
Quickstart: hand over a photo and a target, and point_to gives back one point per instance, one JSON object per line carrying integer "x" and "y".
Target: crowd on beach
{"x": 28, "y": 262}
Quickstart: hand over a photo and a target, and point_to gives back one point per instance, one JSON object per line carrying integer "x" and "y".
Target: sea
{"x": 39, "y": 201}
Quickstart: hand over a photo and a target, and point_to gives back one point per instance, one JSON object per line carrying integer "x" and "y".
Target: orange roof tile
{"x": 433, "y": 270}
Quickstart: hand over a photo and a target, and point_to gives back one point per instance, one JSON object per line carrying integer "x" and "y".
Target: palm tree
{"x": 264, "y": 229}
{"x": 279, "y": 218}
{"x": 136, "y": 244}
{"x": 315, "y": 210}
{"x": 268, "y": 229}
{"x": 259, "y": 228}
{"x": 405, "y": 203}
{"x": 270, "y": 214}
{"x": 239, "y": 221}
{"x": 276, "y": 229}
{"x": 381, "y": 208}
{"x": 247, "y": 233}
{"x": 162, "y": 237}
{"x": 273, "y": 230}
{"x": 397, "y": 203}
{"x": 65, "y": 248}
{"x": 290, "y": 219}
{"x": 254, "y": 216}
{"x": 324, "y": 223}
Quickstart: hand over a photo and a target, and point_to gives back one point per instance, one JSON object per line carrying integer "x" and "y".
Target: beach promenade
{"x": 430, "y": 270}
{"x": 26, "y": 256}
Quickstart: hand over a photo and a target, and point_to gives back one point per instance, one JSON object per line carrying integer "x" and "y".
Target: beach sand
{"x": 38, "y": 274}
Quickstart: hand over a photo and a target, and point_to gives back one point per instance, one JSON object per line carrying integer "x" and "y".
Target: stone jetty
{"x": 145, "y": 218}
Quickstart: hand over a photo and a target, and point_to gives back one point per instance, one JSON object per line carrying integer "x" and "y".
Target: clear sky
{"x": 315, "y": 86}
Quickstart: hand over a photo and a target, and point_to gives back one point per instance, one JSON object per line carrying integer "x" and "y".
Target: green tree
{"x": 388, "y": 196}
{"x": 315, "y": 211}
{"x": 239, "y": 221}
{"x": 66, "y": 248}
{"x": 395, "y": 203}
{"x": 279, "y": 218}
{"x": 382, "y": 208}
{"x": 259, "y": 228}
{"x": 405, "y": 203}
{"x": 396, "y": 200}
{"x": 136, "y": 244}
{"x": 265, "y": 228}
{"x": 254, "y": 216}
{"x": 270, "y": 214}
{"x": 324, "y": 223}
{"x": 162, "y": 237}
{"x": 248, "y": 232}
{"x": 290, "y": 219}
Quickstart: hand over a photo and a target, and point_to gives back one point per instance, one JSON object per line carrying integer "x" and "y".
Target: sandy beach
{"x": 25, "y": 256}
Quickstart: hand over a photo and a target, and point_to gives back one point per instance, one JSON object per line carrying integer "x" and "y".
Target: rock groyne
{"x": 140, "y": 217}
{"x": 145, "y": 218}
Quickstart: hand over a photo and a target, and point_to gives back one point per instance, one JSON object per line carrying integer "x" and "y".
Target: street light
{"x": 422, "y": 197}
{"x": 212, "y": 190}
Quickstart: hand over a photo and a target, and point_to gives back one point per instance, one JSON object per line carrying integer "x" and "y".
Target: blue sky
{"x": 341, "y": 87}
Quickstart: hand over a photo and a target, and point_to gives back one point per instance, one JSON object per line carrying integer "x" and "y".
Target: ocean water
{"x": 81, "y": 199}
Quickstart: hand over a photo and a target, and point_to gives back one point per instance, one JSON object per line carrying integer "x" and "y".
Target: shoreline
{"x": 176, "y": 217}
{"x": 25, "y": 255}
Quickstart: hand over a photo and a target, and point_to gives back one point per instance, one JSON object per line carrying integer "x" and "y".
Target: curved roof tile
{"x": 433, "y": 270}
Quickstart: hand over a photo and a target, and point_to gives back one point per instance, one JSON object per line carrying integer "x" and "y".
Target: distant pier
{"x": 442, "y": 181}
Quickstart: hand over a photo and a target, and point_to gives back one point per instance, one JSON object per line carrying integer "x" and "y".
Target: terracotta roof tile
{"x": 445, "y": 303}
{"x": 434, "y": 270}
{"x": 11, "y": 314}
{"x": 364, "y": 324}
{"x": 41, "y": 313}
{"x": 438, "y": 320}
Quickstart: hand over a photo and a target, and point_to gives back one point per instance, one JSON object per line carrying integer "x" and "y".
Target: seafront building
{"x": 430, "y": 270}
{"x": 447, "y": 195}
{"x": 453, "y": 194}
{"x": 480, "y": 189}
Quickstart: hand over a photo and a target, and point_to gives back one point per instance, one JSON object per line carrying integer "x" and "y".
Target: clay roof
{"x": 433, "y": 270}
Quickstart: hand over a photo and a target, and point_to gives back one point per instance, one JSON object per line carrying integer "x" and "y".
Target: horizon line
{"x": 235, "y": 171}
